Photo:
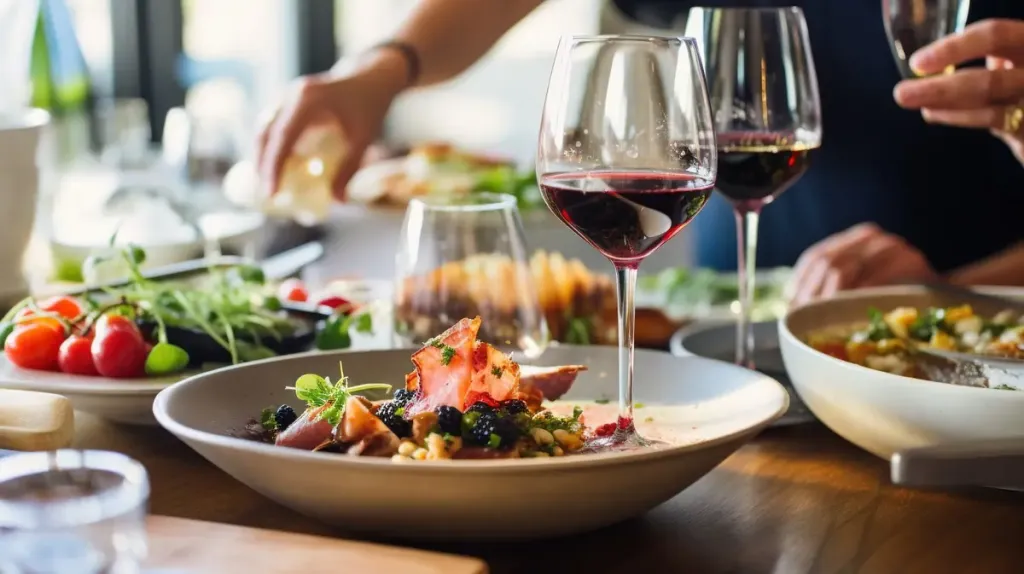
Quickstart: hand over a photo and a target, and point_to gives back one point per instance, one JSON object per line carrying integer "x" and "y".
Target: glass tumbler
{"x": 72, "y": 512}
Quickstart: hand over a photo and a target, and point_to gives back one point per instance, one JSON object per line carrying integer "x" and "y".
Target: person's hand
{"x": 861, "y": 256}
{"x": 991, "y": 98}
{"x": 355, "y": 102}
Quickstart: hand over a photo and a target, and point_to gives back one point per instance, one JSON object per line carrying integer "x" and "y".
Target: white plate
{"x": 527, "y": 498}
{"x": 120, "y": 400}
{"x": 884, "y": 413}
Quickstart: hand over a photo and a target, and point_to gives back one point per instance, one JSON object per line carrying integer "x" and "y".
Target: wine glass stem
{"x": 746, "y": 243}
{"x": 625, "y": 279}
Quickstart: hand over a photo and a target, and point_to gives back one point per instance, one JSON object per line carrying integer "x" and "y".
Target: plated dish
{"x": 703, "y": 410}
{"x": 884, "y": 341}
{"x": 881, "y": 411}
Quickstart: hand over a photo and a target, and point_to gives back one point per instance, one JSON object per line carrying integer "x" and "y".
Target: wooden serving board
{"x": 195, "y": 547}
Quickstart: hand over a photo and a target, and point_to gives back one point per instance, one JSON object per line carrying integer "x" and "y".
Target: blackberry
{"x": 493, "y": 431}
{"x": 514, "y": 406}
{"x": 284, "y": 416}
{"x": 449, "y": 419}
{"x": 480, "y": 407}
{"x": 482, "y": 430}
{"x": 390, "y": 413}
{"x": 403, "y": 396}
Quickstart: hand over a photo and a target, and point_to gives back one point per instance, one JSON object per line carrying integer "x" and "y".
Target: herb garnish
{"x": 497, "y": 371}
{"x": 318, "y": 391}
{"x": 267, "y": 420}
{"x": 447, "y": 354}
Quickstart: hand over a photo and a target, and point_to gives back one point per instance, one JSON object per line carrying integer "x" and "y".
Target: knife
{"x": 274, "y": 268}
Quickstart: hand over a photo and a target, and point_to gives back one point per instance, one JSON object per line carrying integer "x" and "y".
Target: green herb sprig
{"x": 319, "y": 391}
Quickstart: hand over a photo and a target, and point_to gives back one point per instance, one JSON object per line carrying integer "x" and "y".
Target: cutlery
{"x": 968, "y": 372}
{"x": 967, "y": 294}
{"x": 994, "y": 463}
{"x": 274, "y": 268}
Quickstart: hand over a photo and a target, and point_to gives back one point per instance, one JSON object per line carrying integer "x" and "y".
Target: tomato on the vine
{"x": 34, "y": 346}
{"x": 29, "y": 317}
{"x": 118, "y": 350}
{"x": 293, "y": 290}
{"x": 67, "y": 307}
{"x": 75, "y": 356}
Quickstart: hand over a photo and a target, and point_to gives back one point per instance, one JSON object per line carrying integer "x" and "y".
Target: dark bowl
{"x": 203, "y": 349}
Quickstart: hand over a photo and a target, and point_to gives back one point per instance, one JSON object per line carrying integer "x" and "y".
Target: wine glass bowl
{"x": 464, "y": 257}
{"x": 913, "y": 24}
{"x": 767, "y": 114}
{"x": 626, "y": 159}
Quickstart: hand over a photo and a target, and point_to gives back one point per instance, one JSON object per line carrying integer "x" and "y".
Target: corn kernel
{"x": 419, "y": 454}
{"x": 954, "y": 314}
{"x": 406, "y": 448}
{"x": 941, "y": 340}
{"x": 900, "y": 319}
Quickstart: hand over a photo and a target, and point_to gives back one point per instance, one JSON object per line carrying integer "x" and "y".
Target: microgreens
{"x": 319, "y": 391}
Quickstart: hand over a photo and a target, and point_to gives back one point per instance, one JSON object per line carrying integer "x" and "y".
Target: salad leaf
{"x": 319, "y": 391}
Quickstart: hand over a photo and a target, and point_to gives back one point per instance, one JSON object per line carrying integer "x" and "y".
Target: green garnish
{"x": 1005, "y": 387}
{"x": 549, "y": 422}
{"x": 877, "y": 329}
{"x": 494, "y": 441}
{"x": 435, "y": 343}
{"x": 638, "y": 405}
{"x": 335, "y": 334}
{"x": 267, "y": 420}
{"x": 603, "y": 401}
{"x": 318, "y": 391}
{"x": 447, "y": 354}
{"x": 497, "y": 371}
{"x": 165, "y": 359}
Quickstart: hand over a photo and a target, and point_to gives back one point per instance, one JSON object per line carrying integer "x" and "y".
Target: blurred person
{"x": 938, "y": 198}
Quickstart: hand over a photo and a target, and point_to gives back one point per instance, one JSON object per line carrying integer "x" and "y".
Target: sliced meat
{"x": 494, "y": 373}
{"x": 552, "y": 382}
{"x": 307, "y": 432}
{"x": 379, "y": 444}
{"x": 444, "y": 368}
{"x": 358, "y": 421}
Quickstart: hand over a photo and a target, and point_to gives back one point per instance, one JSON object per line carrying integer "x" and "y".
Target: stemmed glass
{"x": 626, "y": 159}
{"x": 465, "y": 257}
{"x": 764, "y": 92}
{"x": 913, "y": 24}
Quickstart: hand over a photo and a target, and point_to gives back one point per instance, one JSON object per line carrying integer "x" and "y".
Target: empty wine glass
{"x": 626, "y": 159}
{"x": 913, "y": 24}
{"x": 764, "y": 93}
{"x": 464, "y": 257}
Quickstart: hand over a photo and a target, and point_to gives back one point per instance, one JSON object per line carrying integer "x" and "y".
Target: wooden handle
{"x": 32, "y": 421}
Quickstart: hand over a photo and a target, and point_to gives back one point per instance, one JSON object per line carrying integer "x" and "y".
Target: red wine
{"x": 625, "y": 215}
{"x": 754, "y": 169}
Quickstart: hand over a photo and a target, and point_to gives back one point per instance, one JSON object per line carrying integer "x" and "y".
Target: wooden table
{"x": 797, "y": 500}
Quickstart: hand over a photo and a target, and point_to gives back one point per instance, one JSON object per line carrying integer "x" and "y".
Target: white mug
{"x": 20, "y": 137}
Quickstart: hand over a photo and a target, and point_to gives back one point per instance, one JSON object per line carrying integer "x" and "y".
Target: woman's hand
{"x": 861, "y": 256}
{"x": 356, "y": 102}
{"x": 991, "y": 98}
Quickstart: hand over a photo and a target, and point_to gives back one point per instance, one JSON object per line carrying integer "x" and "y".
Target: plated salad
{"x": 463, "y": 399}
{"x": 883, "y": 342}
{"x": 152, "y": 328}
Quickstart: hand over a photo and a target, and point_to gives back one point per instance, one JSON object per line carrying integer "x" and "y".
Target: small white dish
{"x": 885, "y": 413}
{"x": 724, "y": 406}
{"x": 128, "y": 401}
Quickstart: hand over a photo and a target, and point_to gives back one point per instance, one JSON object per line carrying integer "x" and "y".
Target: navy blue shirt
{"x": 956, "y": 194}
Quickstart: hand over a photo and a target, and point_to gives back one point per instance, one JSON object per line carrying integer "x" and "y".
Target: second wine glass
{"x": 626, "y": 159}
{"x": 764, "y": 93}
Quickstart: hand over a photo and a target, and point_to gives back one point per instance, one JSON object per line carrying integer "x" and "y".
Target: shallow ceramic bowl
{"x": 725, "y": 406}
{"x": 128, "y": 401}
{"x": 884, "y": 413}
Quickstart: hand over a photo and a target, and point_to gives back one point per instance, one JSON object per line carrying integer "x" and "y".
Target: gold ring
{"x": 1013, "y": 118}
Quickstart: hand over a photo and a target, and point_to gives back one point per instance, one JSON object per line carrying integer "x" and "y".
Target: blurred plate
{"x": 718, "y": 341}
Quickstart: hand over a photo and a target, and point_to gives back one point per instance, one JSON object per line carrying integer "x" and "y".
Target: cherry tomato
{"x": 75, "y": 356}
{"x": 28, "y": 317}
{"x": 67, "y": 307}
{"x": 119, "y": 351}
{"x": 34, "y": 346}
{"x": 335, "y": 302}
{"x": 114, "y": 322}
{"x": 293, "y": 290}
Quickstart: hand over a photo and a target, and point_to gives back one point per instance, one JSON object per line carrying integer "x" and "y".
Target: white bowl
{"x": 522, "y": 498}
{"x": 884, "y": 413}
{"x": 128, "y": 401}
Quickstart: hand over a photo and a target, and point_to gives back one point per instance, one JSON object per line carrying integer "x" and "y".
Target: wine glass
{"x": 764, "y": 92}
{"x": 466, "y": 257}
{"x": 913, "y": 24}
{"x": 626, "y": 159}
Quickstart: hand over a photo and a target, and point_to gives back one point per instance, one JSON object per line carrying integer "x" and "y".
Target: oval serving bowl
{"x": 885, "y": 413}
{"x": 724, "y": 407}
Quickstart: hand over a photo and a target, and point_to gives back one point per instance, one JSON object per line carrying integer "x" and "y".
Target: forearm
{"x": 450, "y": 35}
{"x": 1003, "y": 268}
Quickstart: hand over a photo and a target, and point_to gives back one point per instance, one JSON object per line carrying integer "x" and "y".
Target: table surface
{"x": 798, "y": 499}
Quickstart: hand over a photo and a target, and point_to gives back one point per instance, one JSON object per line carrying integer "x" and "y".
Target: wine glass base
{"x": 622, "y": 440}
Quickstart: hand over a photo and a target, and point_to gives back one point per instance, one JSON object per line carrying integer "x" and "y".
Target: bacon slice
{"x": 307, "y": 432}
{"x": 358, "y": 421}
{"x": 552, "y": 382}
{"x": 494, "y": 373}
{"x": 444, "y": 370}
